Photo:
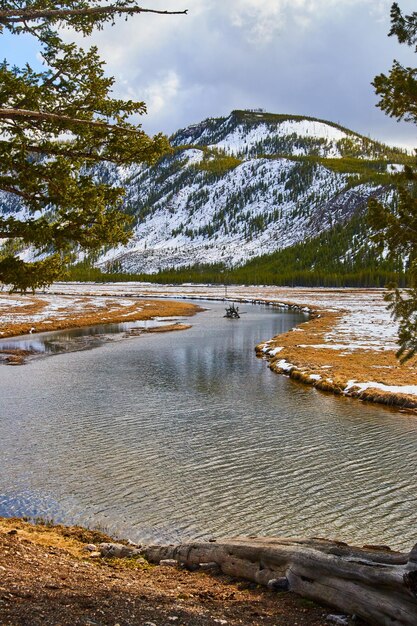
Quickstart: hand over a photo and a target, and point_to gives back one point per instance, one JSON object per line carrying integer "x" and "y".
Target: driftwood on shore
{"x": 375, "y": 583}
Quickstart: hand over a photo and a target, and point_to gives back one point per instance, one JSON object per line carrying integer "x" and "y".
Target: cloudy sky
{"x": 311, "y": 57}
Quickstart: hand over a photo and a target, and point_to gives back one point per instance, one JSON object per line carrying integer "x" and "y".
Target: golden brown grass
{"x": 338, "y": 366}
{"x": 70, "y": 538}
{"x": 169, "y": 328}
{"x": 83, "y": 312}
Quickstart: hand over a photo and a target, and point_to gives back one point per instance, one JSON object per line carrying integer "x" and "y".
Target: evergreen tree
{"x": 396, "y": 228}
{"x": 56, "y": 126}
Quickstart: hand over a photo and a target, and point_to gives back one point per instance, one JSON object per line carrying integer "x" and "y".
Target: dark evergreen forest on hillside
{"x": 339, "y": 257}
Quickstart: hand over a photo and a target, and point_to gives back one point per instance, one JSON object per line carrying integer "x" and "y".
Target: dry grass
{"x": 338, "y": 366}
{"x": 72, "y": 539}
{"x": 168, "y": 329}
{"x": 14, "y": 356}
{"x": 83, "y": 312}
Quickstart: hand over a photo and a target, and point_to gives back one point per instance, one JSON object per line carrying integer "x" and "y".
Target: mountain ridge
{"x": 246, "y": 185}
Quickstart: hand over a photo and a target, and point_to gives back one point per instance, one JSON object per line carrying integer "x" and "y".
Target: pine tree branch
{"x": 17, "y": 114}
{"x": 9, "y": 16}
{"x": 67, "y": 113}
{"x": 67, "y": 151}
{"x": 22, "y": 194}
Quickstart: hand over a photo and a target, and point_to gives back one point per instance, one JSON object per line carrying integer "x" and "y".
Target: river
{"x": 188, "y": 435}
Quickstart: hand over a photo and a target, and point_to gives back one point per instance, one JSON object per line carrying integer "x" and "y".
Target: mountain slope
{"x": 254, "y": 133}
{"x": 246, "y": 185}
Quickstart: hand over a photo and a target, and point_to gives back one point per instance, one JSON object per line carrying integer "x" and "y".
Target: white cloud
{"x": 313, "y": 57}
{"x": 161, "y": 92}
{"x": 263, "y": 19}
{"x": 260, "y": 20}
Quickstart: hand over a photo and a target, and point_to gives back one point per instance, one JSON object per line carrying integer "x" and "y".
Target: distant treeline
{"x": 218, "y": 274}
{"x": 340, "y": 257}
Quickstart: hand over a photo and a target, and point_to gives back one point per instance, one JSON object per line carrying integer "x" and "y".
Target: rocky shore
{"x": 52, "y": 575}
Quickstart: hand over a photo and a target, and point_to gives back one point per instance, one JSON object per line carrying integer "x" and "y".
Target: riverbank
{"x": 24, "y": 314}
{"x": 48, "y": 577}
{"x": 31, "y": 314}
{"x": 347, "y": 346}
{"x": 369, "y": 374}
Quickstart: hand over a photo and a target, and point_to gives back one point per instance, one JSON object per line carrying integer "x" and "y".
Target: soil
{"x": 48, "y": 578}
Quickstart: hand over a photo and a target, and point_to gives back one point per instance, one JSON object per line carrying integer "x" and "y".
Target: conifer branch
{"x": 19, "y": 15}
{"x": 18, "y": 114}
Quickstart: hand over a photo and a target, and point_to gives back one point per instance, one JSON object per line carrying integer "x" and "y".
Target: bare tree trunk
{"x": 375, "y": 583}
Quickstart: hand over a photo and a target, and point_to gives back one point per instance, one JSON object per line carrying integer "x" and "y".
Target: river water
{"x": 188, "y": 435}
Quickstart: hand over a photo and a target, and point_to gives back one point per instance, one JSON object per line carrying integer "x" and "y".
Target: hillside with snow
{"x": 242, "y": 186}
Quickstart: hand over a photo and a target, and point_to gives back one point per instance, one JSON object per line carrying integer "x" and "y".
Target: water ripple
{"x": 188, "y": 435}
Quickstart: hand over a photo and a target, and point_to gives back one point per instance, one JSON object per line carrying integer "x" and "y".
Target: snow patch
{"x": 241, "y": 139}
{"x": 285, "y": 366}
{"x": 410, "y": 390}
{"x": 275, "y": 351}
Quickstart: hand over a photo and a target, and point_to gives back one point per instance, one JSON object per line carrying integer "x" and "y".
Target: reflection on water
{"x": 188, "y": 435}
{"x": 75, "y": 339}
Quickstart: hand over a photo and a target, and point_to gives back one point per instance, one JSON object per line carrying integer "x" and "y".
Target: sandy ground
{"x": 47, "y": 578}
{"x": 347, "y": 347}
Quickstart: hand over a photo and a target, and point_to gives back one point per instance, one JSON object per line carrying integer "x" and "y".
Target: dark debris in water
{"x": 15, "y": 356}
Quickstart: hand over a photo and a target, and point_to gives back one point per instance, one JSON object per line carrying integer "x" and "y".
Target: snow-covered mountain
{"x": 252, "y": 133}
{"x": 246, "y": 185}
{"x": 242, "y": 186}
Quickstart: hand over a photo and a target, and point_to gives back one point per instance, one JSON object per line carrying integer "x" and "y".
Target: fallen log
{"x": 373, "y": 582}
